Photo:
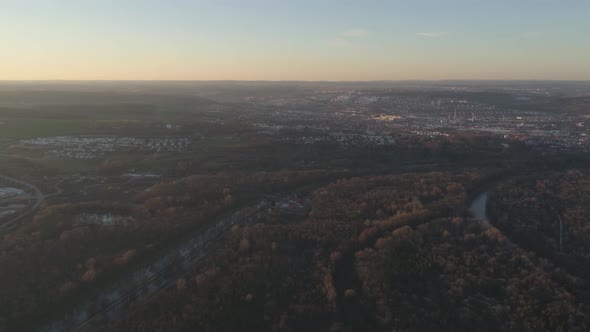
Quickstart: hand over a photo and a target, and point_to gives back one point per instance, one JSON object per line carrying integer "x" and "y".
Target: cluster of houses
{"x": 103, "y": 219}
{"x": 82, "y": 147}
{"x": 292, "y": 205}
{"x": 347, "y": 139}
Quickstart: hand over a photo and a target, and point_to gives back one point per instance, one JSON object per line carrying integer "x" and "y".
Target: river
{"x": 479, "y": 206}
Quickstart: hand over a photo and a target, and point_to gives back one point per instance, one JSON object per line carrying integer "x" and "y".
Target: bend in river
{"x": 479, "y": 206}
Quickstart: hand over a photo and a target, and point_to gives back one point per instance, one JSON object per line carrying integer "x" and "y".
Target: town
{"x": 377, "y": 117}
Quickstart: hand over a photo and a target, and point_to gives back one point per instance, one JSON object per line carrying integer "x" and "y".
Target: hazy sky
{"x": 294, "y": 39}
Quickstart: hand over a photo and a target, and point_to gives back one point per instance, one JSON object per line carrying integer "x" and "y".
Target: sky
{"x": 294, "y": 39}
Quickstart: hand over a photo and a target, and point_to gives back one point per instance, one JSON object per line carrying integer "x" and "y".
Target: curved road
{"x": 38, "y": 200}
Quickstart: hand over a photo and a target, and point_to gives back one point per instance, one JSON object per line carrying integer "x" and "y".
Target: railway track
{"x": 168, "y": 268}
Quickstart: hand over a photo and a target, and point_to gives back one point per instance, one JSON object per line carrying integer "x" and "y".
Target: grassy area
{"x": 207, "y": 150}
{"x": 23, "y": 128}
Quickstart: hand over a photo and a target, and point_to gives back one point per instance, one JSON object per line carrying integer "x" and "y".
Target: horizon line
{"x": 294, "y": 81}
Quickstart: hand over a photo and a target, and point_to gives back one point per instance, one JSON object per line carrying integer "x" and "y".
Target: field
{"x": 24, "y": 128}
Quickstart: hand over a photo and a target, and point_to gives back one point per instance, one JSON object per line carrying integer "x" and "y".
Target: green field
{"x": 23, "y": 128}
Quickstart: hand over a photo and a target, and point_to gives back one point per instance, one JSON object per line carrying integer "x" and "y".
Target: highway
{"x": 38, "y": 199}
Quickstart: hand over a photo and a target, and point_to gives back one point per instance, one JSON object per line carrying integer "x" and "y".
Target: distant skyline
{"x": 309, "y": 40}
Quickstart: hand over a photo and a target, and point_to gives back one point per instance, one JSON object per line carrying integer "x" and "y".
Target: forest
{"x": 377, "y": 253}
{"x": 547, "y": 214}
{"x": 297, "y": 207}
{"x": 56, "y": 258}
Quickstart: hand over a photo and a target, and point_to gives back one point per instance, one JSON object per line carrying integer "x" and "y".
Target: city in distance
{"x": 294, "y": 205}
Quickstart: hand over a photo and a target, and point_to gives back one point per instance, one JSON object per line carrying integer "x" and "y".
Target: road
{"x": 38, "y": 196}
